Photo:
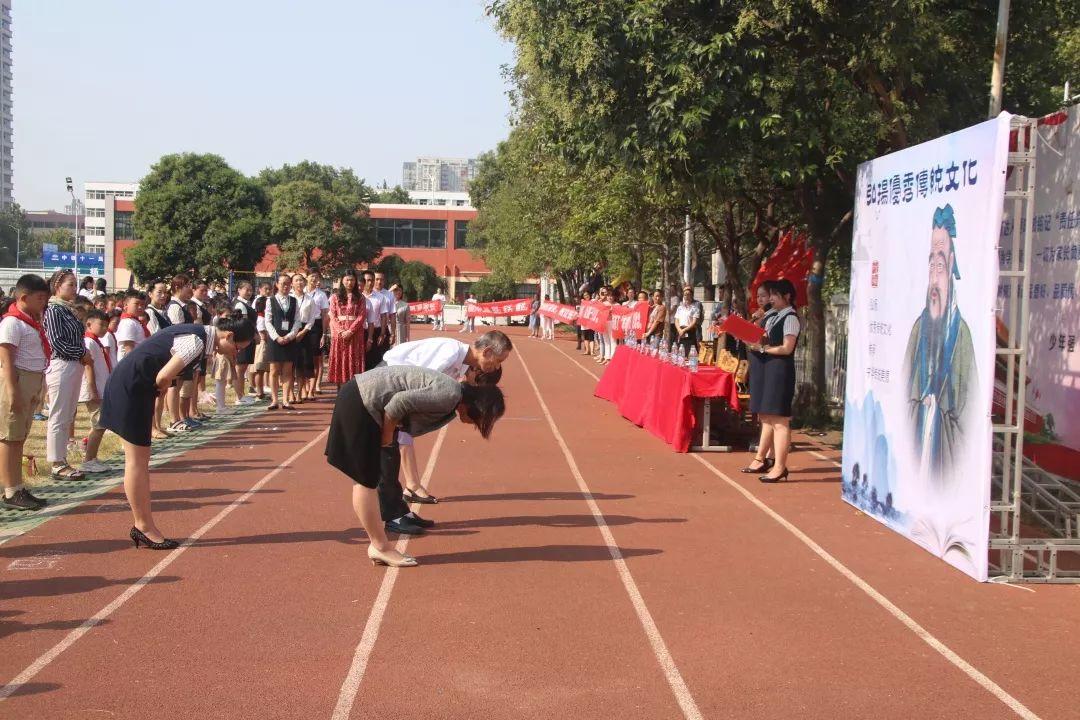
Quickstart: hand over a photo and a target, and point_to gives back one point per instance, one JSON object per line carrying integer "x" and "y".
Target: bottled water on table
{"x": 682, "y": 356}
{"x": 663, "y": 353}
{"x": 654, "y": 347}
{"x": 693, "y": 362}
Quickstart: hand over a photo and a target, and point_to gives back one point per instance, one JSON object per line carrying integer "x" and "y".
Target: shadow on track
{"x": 561, "y": 521}
{"x": 543, "y": 553}
{"x": 50, "y": 587}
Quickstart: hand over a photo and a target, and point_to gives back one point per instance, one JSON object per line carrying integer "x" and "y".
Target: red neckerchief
{"x": 145, "y": 329}
{"x": 95, "y": 338}
{"x": 18, "y": 314}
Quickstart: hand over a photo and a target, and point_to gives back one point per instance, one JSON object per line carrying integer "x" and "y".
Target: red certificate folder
{"x": 744, "y": 330}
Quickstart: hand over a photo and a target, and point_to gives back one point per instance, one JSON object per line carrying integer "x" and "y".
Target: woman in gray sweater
{"x": 363, "y": 433}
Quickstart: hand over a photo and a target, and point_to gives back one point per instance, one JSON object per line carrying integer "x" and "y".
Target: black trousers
{"x": 374, "y": 356}
{"x": 392, "y": 503}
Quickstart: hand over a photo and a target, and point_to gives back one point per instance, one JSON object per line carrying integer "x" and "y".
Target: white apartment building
{"x": 438, "y": 174}
{"x": 6, "y": 119}
{"x": 440, "y": 197}
{"x": 106, "y": 222}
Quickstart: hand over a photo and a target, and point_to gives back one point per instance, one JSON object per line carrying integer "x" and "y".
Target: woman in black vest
{"x": 127, "y": 406}
{"x": 244, "y": 358}
{"x": 282, "y": 322}
{"x": 772, "y": 395}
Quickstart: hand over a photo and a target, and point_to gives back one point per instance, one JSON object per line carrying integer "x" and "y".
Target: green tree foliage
{"x": 196, "y": 214}
{"x": 396, "y": 195}
{"x": 417, "y": 279}
{"x": 15, "y": 236}
{"x": 753, "y": 114}
{"x": 494, "y": 287}
{"x": 319, "y": 216}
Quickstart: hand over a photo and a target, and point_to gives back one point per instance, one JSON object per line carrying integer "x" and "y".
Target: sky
{"x": 104, "y": 88}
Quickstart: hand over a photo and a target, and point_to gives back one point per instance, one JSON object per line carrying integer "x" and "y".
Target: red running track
{"x": 676, "y": 588}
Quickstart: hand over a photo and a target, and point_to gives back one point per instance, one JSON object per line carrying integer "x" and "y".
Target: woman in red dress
{"x": 347, "y": 313}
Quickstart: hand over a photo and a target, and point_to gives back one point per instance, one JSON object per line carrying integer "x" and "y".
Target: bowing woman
{"x": 369, "y": 411}
{"x": 282, "y": 326}
{"x": 776, "y": 389}
{"x": 127, "y": 406}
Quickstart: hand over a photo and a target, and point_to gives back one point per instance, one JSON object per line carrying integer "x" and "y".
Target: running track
{"x": 579, "y": 570}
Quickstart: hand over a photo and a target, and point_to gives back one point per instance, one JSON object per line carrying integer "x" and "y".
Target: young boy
{"x": 132, "y": 330}
{"x": 224, "y": 371}
{"x": 24, "y": 355}
{"x": 95, "y": 376}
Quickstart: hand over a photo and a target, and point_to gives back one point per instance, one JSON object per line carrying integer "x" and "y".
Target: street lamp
{"x": 75, "y": 212}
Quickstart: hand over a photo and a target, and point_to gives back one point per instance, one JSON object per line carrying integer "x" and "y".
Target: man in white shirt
{"x": 440, "y": 317}
{"x": 322, "y": 307}
{"x": 479, "y": 363}
{"x": 389, "y": 304}
{"x": 687, "y": 320}
{"x": 376, "y": 317}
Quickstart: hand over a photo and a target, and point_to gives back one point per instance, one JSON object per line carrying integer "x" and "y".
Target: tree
{"x": 15, "y": 237}
{"x": 417, "y": 279}
{"x": 753, "y": 114}
{"x": 196, "y": 214}
{"x": 319, "y": 216}
{"x": 396, "y": 195}
{"x": 494, "y": 287}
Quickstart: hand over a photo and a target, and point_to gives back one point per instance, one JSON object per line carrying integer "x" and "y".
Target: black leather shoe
{"x": 415, "y": 519}
{"x": 403, "y": 528}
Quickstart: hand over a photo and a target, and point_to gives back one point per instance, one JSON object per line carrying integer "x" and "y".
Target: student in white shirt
{"x": 376, "y": 317}
{"x": 282, "y": 323}
{"x": 440, "y": 318}
{"x": 479, "y": 363}
{"x": 316, "y": 339}
{"x": 304, "y": 368}
{"x": 389, "y": 305}
{"x": 24, "y": 355}
{"x": 130, "y": 332}
{"x": 95, "y": 376}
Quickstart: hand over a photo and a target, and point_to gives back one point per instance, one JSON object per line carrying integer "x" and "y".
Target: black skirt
{"x": 278, "y": 353}
{"x": 247, "y": 355}
{"x": 772, "y": 384}
{"x": 354, "y": 442}
{"x": 588, "y": 335}
{"x": 127, "y": 405}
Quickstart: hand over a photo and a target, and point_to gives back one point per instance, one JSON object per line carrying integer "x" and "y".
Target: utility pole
{"x": 997, "y": 77}
{"x": 688, "y": 239}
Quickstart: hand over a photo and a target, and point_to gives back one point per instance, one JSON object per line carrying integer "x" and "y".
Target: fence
{"x": 836, "y": 340}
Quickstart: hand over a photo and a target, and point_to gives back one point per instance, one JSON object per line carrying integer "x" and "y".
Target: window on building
{"x": 95, "y": 212}
{"x": 95, "y": 231}
{"x": 461, "y": 231}
{"x": 123, "y": 228}
{"x": 411, "y": 233}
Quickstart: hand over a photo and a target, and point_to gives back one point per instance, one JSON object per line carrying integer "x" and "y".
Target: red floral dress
{"x": 346, "y": 356}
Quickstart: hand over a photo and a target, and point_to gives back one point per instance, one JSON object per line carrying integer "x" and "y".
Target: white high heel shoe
{"x": 378, "y": 558}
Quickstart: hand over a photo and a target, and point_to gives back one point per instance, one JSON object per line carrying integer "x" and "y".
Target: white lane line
{"x": 659, "y": 647}
{"x": 351, "y": 686}
{"x": 986, "y": 683}
{"x": 72, "y": 637}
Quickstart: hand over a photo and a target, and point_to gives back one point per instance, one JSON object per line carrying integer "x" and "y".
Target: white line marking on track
{"x": 667, "y": 663}
{"x": 986, "y": 683}
{"x": 351, "y": 686}
{"x": 72, "y": 637}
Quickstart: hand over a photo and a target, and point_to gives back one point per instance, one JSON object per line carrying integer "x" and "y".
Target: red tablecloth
{"x": 659, "y": 397}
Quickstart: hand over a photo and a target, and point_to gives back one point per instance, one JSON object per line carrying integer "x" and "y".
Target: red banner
{"x": 500, "y": 308}
{"x": 630, "y": 317}
{"x": 560, "y": 313}
{"x": 594, "y": 315}
{"x": 428, "y": 307}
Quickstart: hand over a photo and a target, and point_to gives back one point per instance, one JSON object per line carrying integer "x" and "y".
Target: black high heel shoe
{"x": 766, "y": 466}
{"x": 139, "y": 538}
{"x": 778, "y": 478}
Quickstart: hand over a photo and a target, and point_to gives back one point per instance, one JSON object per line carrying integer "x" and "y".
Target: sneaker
{"x": 246, "y": 400}
{"x": 94, "y": 466}
{"x": 23, "y": 499}
{"x": 40, "y": 417}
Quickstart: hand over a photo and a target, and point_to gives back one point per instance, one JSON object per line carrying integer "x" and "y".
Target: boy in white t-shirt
{"x": 131, "y": 330}
{"x": 24, "y": 355}
{"x": 95, "y": 376}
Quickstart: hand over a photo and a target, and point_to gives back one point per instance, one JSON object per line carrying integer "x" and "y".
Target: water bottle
{"x": 663, "y": 352}
{"x": 693, "y": 362}
{"x": 682, "y": 356}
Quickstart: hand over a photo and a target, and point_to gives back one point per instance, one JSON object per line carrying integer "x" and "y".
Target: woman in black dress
{"x": 362, "y": 443}
{"x": 771, "y": 395}
{"x": 127, "y": 406}
{"x": 761, "y": 462}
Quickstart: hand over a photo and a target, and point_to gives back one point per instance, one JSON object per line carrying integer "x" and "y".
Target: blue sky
{"x": 102, "y": 89}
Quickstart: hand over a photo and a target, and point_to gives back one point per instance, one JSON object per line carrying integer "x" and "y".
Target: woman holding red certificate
{"x": 772, "y": 381}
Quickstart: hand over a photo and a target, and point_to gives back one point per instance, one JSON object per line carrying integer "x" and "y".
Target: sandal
{"x": 66, "y": 472}
{"x": 275, "y": 406}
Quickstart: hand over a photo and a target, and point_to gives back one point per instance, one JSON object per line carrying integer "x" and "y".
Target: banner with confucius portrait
{"x": 428, "y": 307}
{"x": 921, "y": 337}
{"x": 594, "y": 315}
{"x": 557, "y": 312}
{"x": 500, "y": 308}
{"x": 633, "y": 317}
